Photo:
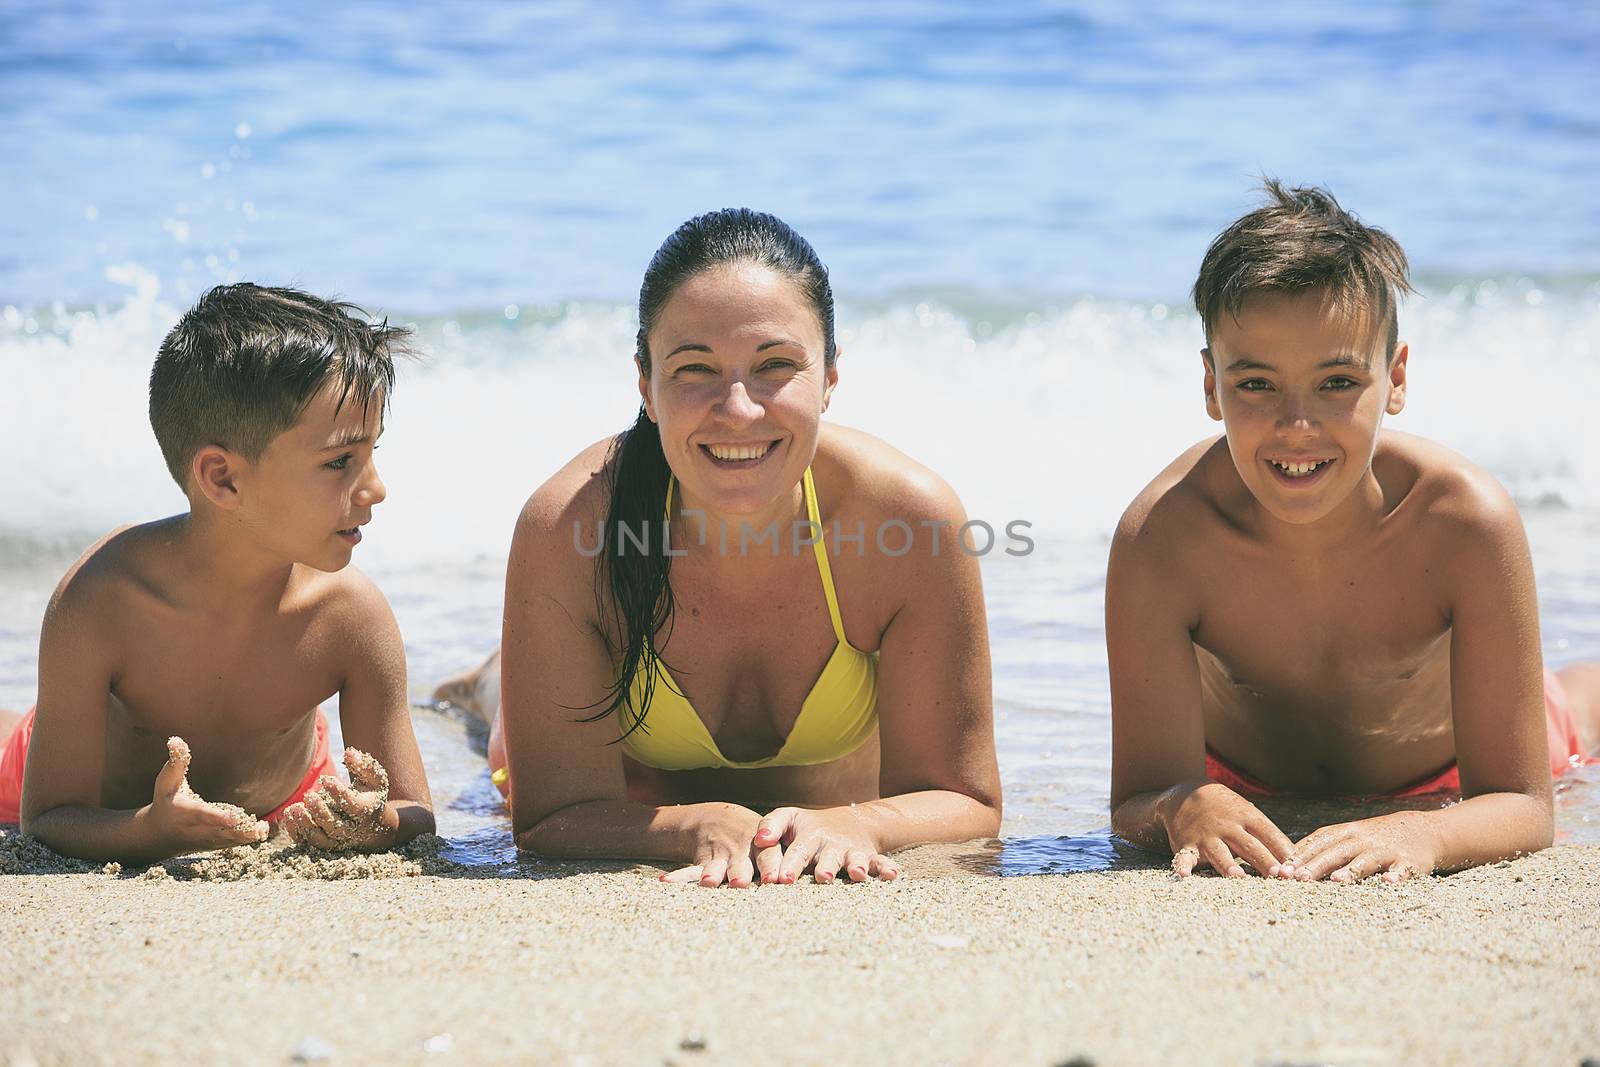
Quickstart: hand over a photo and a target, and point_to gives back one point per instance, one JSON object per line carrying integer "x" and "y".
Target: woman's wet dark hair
{"x": 634, "y": 587}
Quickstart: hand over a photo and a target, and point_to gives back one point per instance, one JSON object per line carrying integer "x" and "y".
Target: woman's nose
{"x": 738, "y": 405}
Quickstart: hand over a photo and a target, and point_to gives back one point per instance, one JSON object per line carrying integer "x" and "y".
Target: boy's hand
{"x": 1401, "y": 845}
{"x": 1210, "y": 825}
{"x": 178, "y": 814}
{"x": 339, "y": 817}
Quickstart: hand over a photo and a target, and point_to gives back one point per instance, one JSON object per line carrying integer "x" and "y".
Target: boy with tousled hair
{"x": 221, "y": 631}
{"x": 1313, "y": 605}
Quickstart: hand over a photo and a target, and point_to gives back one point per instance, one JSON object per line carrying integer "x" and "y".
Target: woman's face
{"x": 737, "y": 386}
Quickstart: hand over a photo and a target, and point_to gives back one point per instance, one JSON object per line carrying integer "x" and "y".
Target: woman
{"x": 739, "y": 702}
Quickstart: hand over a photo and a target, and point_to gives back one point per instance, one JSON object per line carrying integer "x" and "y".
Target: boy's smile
{"x": 1301, "y": 386}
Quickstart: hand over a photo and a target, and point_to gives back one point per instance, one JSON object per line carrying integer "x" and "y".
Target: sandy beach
{"x": 411, "y": 961}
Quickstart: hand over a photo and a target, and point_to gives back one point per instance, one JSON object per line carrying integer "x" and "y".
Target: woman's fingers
{"x": 767, "y": 861}
{"x": 825, "y": 868}
{"x": 682, "y": 875}
{"x": 885, "y": 868}
{"x": 715, "y": 872}
{"x": 777, "y": 828}
{"x": 857, "y": 864}
{"x": 740, "y": 871}
{"x": 796, "y": 858}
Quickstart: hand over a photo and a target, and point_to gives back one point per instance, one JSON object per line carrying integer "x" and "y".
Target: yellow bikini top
{"x": 839, "y": 713}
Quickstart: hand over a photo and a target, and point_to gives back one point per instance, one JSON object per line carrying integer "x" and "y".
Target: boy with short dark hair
{"x": 231, "y": 624}
{"x": 1314, "y": 605}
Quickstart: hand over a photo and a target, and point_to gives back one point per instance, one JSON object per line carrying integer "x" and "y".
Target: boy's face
{"x": 1301, "y": 390}
{"x": 315, "y": 485}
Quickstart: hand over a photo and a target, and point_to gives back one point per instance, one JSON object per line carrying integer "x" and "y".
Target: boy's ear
{"x": 644, "y": 389}
{"x": 1397, "y": 380}
{"x": 214, "y": 470}
{"x": 831, "y": 379}
{"x": 1213, "y": 408}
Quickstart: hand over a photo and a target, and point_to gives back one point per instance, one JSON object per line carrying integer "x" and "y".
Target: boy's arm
{"x": 1160, "y": 797}
{"x": 1497, "y": 706}
{"x": 375, "y": 718}
{"x": 66, "y": 757}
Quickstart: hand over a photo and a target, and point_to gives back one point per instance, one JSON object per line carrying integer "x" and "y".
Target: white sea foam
{"x": 1056, "y": 415}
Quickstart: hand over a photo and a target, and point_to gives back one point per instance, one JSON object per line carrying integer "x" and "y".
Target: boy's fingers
{"x": 1400, "y": 870}
{"x": 1277, "y": 842}
{"x": 1216, "y": 853}
{"x": 366, "y": 772}
{"x": 322, "y": 814}
{"x": 169, "y": 780}
{"x": 1362, "y": 867}
{"x": 1327, "y": 861}
{"x": 1183, "y": 861}
{"x": 1255, "y": 854}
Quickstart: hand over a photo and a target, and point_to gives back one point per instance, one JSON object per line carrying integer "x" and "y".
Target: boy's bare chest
{"x": 198, "y": 677}
{"x": 1321, "y": 633}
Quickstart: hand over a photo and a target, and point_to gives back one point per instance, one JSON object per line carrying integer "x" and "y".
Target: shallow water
{"x": 1011, "y": 198}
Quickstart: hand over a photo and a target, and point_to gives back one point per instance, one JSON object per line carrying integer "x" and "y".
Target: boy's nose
{"x": 371, "y": 491}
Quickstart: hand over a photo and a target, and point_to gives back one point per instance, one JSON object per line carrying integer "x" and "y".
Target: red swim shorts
{"x": 14, "y": 758}
{"x": 1561, "y": 730}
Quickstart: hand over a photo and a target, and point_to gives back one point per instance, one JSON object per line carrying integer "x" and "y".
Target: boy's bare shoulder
{"x": 1183, "y": 499}
{"x": 118, "y": 571}
{"x": 1456, "y": 503}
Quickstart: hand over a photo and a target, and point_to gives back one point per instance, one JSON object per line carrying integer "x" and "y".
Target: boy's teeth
{"x": 738, "y": 452}
{"x": 1298, "y": 469}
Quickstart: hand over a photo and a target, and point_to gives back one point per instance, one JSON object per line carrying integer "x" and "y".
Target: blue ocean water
{"x": 1012, "y": 199}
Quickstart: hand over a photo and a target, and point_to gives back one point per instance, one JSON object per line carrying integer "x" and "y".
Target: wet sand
{"x": 261, "y": 958}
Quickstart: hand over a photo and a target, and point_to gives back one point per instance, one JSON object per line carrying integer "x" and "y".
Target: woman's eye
{"x": 694, "y": 368}
{"x": 778, "y": 364}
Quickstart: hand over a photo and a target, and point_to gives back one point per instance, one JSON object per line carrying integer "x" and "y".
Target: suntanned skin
{"x": 226, "y": 626}
{"x": 738, "y": 358}
{"x": 1350, "y": 634}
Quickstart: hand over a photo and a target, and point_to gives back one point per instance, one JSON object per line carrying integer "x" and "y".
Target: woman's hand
{"x": 825, "y": 842}
{"x": 1400, "y": 846}
{"x": 724, "y": 851}
{"x": 1211, "y": 825}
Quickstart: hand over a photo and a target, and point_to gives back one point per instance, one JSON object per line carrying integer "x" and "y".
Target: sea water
{"x": 1012, "y": 201}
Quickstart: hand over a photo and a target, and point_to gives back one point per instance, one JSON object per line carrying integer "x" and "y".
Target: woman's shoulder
{"x": 578, "y": 492}
{"x": 866, "y": 474}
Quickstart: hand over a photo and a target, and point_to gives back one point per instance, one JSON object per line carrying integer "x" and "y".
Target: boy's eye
{"x": 1255, "y": 385}
{"x": 338, "y": 464}
{"x": 1340, "y": 383}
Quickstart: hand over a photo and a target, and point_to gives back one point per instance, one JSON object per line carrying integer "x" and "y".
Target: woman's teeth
{"x": 1299, "y": 470}
{"x": 732, "y": 453}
